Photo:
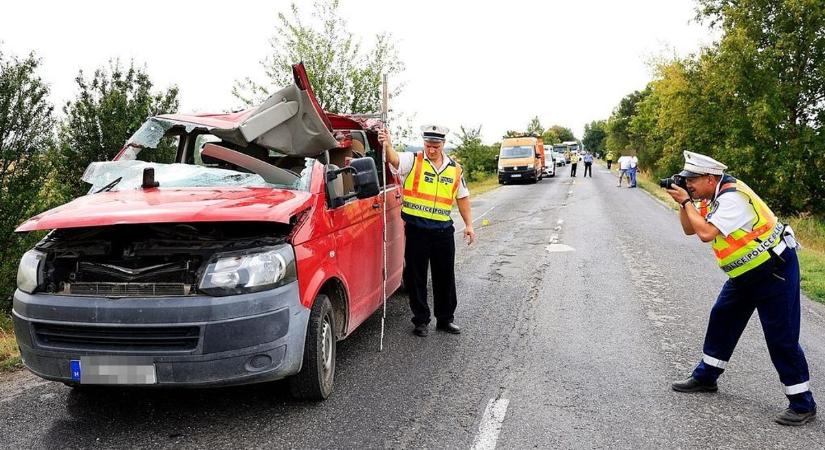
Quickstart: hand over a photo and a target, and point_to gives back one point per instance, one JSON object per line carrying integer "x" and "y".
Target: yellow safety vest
{"x": 744, "y": 250}
{"x": 429, "y": 194}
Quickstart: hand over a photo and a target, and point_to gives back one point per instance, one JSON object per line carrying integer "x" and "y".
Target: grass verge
{"x": 9, "y": 353}
{"x": 482, "y": 185}
{"x": 810, "y": 231}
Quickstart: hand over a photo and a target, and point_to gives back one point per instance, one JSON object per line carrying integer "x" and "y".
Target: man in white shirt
{"x": 633, "y": 165}
{"x": 432, "y": 182}
{"x": 624, "y": 167}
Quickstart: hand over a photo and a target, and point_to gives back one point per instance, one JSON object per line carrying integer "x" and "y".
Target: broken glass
{"x": 101, "y": 174}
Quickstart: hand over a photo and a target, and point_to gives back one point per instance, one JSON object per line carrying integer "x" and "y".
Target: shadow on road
{"x": 166, "y": 416}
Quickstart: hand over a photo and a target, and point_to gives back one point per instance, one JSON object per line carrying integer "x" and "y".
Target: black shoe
{"x": 792, "y": 418}
{"x": 693, "y": 385}
{"x": 421, "y": 330}
{"x": 449, "y": 328}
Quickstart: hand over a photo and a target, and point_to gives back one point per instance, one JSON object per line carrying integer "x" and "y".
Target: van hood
{"x": 170, "y": 205}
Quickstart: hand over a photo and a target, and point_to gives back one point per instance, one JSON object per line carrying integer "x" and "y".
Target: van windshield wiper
{"x": 109, "y": 186}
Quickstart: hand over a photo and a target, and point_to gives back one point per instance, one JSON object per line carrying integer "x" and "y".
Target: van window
{"x": 516, "y": 152}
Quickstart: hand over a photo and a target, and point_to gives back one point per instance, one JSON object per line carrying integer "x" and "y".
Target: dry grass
{"x": 488, "y": 183}
{"x": 9, "y": 353}
{"x": 810, "y": 231}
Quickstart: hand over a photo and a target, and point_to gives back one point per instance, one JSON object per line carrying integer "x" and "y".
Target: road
{"x": 579, "y": 305}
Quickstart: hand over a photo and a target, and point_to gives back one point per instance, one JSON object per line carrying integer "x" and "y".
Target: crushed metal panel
{"x": 287, "y": 122}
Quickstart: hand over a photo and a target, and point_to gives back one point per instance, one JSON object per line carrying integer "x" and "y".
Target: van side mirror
{"x": 366, "y": 177}
{"x": 364, "y": 180}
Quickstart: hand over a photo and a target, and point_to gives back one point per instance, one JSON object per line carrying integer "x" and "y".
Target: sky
{"x": 468, "y": 63}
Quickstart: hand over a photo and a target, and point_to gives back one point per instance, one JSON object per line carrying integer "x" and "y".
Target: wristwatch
{"x": 685, "y": 202}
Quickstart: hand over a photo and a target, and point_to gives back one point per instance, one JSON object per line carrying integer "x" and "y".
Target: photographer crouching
{"x": 758, "y": 253}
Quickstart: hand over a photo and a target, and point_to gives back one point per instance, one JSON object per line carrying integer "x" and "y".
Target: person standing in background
{"x": 574, "y": 159}
{"x": 634, "y": 163}
{"x": 588, "y": 164}
{"x": 624, "y": 168}
{"x": 609, "y": 158}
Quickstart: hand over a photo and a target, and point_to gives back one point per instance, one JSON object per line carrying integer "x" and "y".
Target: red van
{"x": 215, "y": 249}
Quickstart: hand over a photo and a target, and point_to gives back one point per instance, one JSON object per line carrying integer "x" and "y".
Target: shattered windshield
{"x": 128, "y": 175}
{"x": 173, "y": 149}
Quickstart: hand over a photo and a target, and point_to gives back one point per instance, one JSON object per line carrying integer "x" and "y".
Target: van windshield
{"x": 164, "y": 145}
{"x": 516, "y": 152}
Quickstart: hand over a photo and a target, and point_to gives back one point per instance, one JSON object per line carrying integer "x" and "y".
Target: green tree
{"x": 534, "y": 128}
{"x": 108, "y": 108}
{"x": 475, "y": 158}
{"x": 770, "y": 66}
{"x": 345, "y": 77}
{"x": 564, "y": 134}
{"x": 618, "y": 137}
{"x": 550, "y": 137}
{"x": 26, "y": 138}
{"x": 594, "y": 136}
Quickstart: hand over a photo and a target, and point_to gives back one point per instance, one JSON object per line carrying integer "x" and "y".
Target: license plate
{"x": 516, "y": 175}
{"x": 112, "y": 370}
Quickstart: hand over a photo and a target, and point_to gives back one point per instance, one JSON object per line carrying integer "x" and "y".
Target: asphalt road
{"x": 579, "y": 305}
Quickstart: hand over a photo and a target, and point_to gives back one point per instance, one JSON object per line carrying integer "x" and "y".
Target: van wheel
{"x": 315, "y": 380}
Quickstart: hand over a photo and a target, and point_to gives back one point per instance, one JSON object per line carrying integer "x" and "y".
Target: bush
{"x": 26, "y": 140}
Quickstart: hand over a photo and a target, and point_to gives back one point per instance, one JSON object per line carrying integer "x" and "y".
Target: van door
{"x": 395, "y": 228}
{"x": 356, "y": 256}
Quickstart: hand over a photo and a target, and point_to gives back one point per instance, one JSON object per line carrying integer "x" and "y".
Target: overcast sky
{"x": 471, "y": 63}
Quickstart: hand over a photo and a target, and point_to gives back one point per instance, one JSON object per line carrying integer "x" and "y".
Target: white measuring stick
{"x": 384, "y": 212}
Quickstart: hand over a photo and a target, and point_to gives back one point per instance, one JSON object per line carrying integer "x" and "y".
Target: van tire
{"x": 316, "y": 379}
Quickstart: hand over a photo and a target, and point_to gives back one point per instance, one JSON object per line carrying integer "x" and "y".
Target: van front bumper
{"x": 515, "y": 175}
{"x": 189, "y": 341}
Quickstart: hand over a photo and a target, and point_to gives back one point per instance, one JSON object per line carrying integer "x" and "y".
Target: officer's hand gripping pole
{"x": 384, "y": 114}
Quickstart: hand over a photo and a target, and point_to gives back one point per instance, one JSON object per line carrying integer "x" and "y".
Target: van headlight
{"x": 249, "y": 271}
{"x": 530, "y": 166}
{"x": 29, "y": 270}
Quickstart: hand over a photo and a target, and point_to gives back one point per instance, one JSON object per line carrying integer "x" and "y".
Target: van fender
{"x": 316, "y": 259}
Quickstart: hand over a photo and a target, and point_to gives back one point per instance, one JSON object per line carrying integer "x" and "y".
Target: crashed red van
{"x": 215, "y": 249}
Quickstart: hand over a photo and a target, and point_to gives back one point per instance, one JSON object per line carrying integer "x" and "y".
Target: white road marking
{"x": 561, "y": 221}
{"x": 490, "y": 425}
{"x": 479, "y": 217}
{"x": 556, "y": 248}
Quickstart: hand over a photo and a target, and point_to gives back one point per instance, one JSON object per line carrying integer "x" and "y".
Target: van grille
{"x": 74, "y": 337}
{"x": 128, "y": 289}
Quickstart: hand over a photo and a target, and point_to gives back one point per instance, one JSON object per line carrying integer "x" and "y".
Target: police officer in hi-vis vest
{"x": 758, "y": 253}
{"x": 432, "y": 182}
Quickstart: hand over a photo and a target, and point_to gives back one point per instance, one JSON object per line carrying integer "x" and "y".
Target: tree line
{"x": 754, "y": 99}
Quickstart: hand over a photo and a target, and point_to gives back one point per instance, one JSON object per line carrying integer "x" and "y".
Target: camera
{"x": 678, "y": 180}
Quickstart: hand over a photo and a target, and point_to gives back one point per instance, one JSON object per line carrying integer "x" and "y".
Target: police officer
{"x": 432, "y": 182}
{"x": 758, "y": 253}
{"x": 574, "y": 160}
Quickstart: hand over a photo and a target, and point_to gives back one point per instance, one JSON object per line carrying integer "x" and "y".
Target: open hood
{"x": 290, "y": 121}
{"x": 173, "y": 206}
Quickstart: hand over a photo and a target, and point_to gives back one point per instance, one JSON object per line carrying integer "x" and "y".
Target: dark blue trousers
{"x": 773, "y": 290}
